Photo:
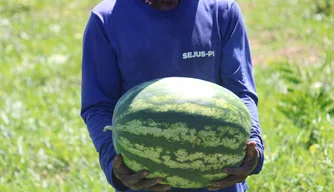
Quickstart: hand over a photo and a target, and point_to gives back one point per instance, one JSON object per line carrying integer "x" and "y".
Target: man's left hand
{"x": 239, "y": 174}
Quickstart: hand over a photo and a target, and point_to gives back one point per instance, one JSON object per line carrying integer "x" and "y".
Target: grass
{"x": 294, "y": 160}
{"x": 45, "y": 145}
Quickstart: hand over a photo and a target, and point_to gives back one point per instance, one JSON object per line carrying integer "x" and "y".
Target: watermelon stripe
{"x": 183, "y": 130}
{"x": 211, "y": 97}
{"x": 191, "y": 119}
{"x": 173, "y": 148}
{"x": 174, "y": 180}
{"x": 186, "y": 89}
{"x": 179, "y": 158}
{"x": 175, "y": 177}
{"x": 180, "y": 129}
{"x": 207, "y": 114}
{"x": 181, "y": 140}
{"x": 189, "y": 108}
{"x": 215, "y": 177}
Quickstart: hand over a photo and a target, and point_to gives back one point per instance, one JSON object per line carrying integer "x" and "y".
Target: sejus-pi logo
{"x": 198, "y": 54}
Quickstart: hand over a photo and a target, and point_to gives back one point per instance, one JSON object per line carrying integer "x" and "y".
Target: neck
{"x": 163, "y": 4}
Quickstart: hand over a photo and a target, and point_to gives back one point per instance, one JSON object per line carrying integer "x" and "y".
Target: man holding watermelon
{"x": 127, "y": 42}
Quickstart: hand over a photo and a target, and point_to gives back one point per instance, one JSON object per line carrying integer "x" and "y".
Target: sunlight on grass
{"x": 45, "y": 145}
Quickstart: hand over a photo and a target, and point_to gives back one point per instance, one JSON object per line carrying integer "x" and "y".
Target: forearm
{"x": 256, "y": 130}
{"x": 96, "y": 118}
{"x": 101, "y": 85}
{"x": 237, "y": 71}
{"x": 107, "y": 156}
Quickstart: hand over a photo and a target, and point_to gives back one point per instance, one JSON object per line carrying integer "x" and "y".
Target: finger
{"x": 135, "y": 178}
{"x": 251, "y": 148}
{"x": 250, "y": 151}
{"x": 252, "y": 157}
{"x": 159, "y": 188}
{"x": 228, "y": 181}
{"x": 117, "y": 161}
{"x": 147, "y": 183}
{"x": 119, "y": 167}
{"x": 244, "y": 170}
{"x": 213, "y": 189}
{"x": 247, "y": 164}
{"x": 251, "y": 145}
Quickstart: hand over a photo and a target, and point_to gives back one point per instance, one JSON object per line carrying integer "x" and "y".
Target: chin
{"x": 167, "y": 4}
{"x": 167, "y": 8}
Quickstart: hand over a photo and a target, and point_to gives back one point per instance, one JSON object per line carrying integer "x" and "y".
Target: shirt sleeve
{"x": 101, "y": 89}
{"x": 237, "y": 73}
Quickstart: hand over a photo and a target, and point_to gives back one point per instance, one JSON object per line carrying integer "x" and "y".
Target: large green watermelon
{"x": 183, "y": 130}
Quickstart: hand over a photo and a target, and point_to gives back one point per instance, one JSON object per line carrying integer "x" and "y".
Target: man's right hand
{"x": 136, "y": 181}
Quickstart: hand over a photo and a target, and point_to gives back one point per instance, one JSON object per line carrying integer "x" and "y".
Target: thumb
{"x": 118, "y": 162}
{"x": 252, "y": 157}
{"x": 251, "y": 146}
{"x": 247, "y": 165}
{"x": 251, "y": 151}
{"x": 119, "y": 166}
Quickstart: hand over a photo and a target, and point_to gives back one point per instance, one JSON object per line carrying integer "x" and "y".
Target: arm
{"x": 237, "y": 73}
{"x": 101, "y": 89}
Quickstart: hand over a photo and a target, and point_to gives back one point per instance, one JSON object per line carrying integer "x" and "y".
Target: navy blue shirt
{"x": 126, "y": 42}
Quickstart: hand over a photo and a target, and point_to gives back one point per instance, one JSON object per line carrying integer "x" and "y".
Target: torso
{"x": 182, "y": 42}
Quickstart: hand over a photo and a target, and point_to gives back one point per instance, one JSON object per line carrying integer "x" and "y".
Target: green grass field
{"x": 45, "y": 145}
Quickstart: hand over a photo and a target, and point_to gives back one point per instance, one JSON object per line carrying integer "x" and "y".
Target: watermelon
{"x": 181, "y": 129}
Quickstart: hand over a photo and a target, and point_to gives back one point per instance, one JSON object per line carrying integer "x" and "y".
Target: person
{"x": 127, "y": 42}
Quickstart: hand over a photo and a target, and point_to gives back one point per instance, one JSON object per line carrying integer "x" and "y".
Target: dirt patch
{"x": 299, "y": 54}
{"x": 275, "y": 44}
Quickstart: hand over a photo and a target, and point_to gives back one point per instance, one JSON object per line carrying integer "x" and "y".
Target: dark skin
{"x": 164, "y": 5}
{"x": 137, "y": 181}
{"x": 241, "y": 173}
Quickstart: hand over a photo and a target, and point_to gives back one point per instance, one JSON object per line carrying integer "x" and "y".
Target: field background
{"x": 44, "y": 145}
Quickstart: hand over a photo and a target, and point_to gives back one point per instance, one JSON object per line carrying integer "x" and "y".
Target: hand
{"x": 239, "y": 174}
{"x": 136, "y": 181}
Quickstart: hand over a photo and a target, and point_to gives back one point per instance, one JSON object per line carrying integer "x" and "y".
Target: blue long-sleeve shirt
{"x": 126, "y": 42}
